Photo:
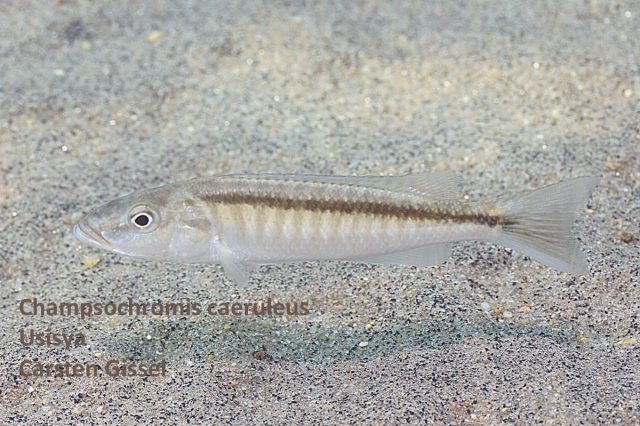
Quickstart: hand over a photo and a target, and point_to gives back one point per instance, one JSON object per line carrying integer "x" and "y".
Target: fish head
{"x": 161, "y": 224}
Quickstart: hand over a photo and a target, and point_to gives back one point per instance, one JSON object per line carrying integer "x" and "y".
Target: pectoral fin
{"x": 429, "y": 255}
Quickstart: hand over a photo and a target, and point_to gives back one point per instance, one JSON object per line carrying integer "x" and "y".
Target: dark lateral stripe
{"x": 377, "y": 208}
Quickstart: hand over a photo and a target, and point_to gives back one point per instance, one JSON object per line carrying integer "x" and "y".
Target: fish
{"x": 243, "y": 221}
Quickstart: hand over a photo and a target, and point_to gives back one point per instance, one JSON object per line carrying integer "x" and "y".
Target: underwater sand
{"x": 100, "y": 98}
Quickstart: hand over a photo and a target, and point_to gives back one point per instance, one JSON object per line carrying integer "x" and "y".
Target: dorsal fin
{"x": 438, "y": 185}
{"x": 435, "y": 185}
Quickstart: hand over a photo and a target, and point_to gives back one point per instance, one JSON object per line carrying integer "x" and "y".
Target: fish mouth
{"x": 85, "y": 233}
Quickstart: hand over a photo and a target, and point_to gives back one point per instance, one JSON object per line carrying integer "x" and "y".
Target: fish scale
{"x": 325, "y": 223}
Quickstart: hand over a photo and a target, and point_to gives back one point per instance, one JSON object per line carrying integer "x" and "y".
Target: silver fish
{"x": 241, "y": 221}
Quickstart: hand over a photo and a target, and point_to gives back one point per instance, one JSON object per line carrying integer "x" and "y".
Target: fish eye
{"x": 144, "y": 220}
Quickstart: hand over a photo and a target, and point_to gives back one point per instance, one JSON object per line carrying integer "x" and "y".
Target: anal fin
{"x": 428, "y": 255}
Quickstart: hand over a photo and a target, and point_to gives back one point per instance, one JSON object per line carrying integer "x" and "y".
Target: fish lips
{"x": 88, "y": 235}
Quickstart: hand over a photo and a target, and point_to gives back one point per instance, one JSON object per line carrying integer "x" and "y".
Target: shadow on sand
{"x": 202, "y": 339}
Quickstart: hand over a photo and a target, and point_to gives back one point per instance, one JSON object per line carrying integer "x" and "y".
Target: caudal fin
{"x": 538, "y": 223}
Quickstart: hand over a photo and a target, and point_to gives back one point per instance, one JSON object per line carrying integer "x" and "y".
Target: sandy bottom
{"x": 100, "y": 98}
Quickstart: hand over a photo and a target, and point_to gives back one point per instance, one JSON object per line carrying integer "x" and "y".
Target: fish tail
{"x": 538, "y": 223}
